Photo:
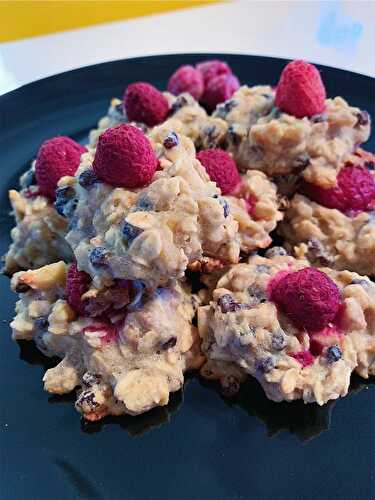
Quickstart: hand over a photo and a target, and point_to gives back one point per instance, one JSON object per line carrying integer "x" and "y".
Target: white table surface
{"x": 336, "y": 33}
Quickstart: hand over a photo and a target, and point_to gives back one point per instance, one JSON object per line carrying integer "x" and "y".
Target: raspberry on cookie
{"x": 213, "y": 68}
{"x": 295, "y": 328}
{"x": 292, "y": 129}
{"x": 38, "y": 237}
{"x": 219, "y": 89}
{"x": 124, "y": 157}
{"x": 56, "y": 158}
{"x": 335, "y": 225}
{"x": 115, "y": 361}
{"x": 300, "y": 90}
{"x": 149, "y": 224}
{"x": 354, "y": 191}
{"x": 146, "y": 104}
{"x": 186, "y": 79}
{"x": 221, "y": 169}
{"x": 250, "y": 198}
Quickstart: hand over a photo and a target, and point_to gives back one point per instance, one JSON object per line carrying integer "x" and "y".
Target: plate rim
{"x": 143, "y": 59}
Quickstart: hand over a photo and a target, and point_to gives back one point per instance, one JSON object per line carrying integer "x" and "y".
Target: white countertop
{"x": 335, "y": 33}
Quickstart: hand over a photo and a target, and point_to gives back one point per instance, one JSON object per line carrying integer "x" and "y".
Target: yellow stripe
{"x": 20, "y": 19}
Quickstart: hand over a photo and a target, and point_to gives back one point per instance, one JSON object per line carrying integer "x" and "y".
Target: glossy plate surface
{"x": 200, "y": 447}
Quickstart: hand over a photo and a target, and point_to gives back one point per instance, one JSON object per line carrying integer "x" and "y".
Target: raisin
{"x": 179, "y": 103}
{"x": 276, "y": 252}
{"x": 87, "y": 179}
{"x": 171, "y": 141}
{"x": 320, "y": 118}
{"x": 22, "y": 287}
{"x": 257, "y": 295}
{"x": 278, "y": 341}
{"x": 169, "y": 343}
{"x": 98, "y": 256}
{"x": 130, "y": 232}
{"x": 41, "y": 322}
{"x": 228, "y": 304}
{"x": 90, "y": 379}
{"x": 333, "y": 354}
{"x": 265, "y": 365}
{"x": 363, "y": 118}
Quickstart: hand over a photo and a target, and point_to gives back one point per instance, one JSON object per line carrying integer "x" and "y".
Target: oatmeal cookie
{"x": 262, "y": 137}
{"x": 152, "y": 233}
{"x": 335, "y": 226}
{"x": 302, "y": 342}
{"x": 39, "y": 235}
{"x": 128, "y": 362}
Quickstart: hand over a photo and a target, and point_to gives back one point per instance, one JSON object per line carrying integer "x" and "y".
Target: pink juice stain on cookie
{"x": 108, "y": 332}
{"x": 249, "y": 199}
{"x": 304, "y": 357}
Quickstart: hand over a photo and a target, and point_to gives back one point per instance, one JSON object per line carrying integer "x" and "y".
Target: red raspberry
{"x": 186, "y": 79}
{"x": 124, "y": 157}
{"x": 221, "y": 168}
{"x": 211, "y": 69}
{"x": 77, "y": 283}
{"x": 309, "y": 298}
{"x": 354, "y": 192}
{"x": 146, "y": 104}
{"x": 56, "y": 157}
{"x": 300, "y": 91}
{"x": 219, "y": 89}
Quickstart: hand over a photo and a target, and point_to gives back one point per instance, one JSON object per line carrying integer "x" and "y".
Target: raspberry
{"x": 56, "y": 157}
{"x": 186, "y": 79}
{"x": 300, "y": 91}
{"x": 211, "y": 69}
{"x": 77, "y": 283}
{"x": 353, "y": 194}
{"x": 308, "y": 297}
{"x": 221, "y": 169}
{"x": 219, "y": 89}
{"x": 146, "y": 104}
{"x": 124, "y": 157}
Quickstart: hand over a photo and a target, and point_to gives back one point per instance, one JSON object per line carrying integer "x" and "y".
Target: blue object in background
{"x": 337, "y": 29}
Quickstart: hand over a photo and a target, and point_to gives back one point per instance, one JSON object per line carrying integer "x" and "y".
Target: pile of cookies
{"x": 199, "y": 182}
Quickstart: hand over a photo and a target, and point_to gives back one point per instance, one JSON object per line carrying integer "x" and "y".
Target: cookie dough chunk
{"x": 186, "y": 117}
{"x": 326, "y": 236}
{"x": 155, "y": 232}
{"x": 128, "y": 362}
{"x": 39, "y": 235}
{"x": 342, "y": 237}
{"x": 255, "y": 206}
{"x": 302, "y": 342}
{"x": 262, "y": 137}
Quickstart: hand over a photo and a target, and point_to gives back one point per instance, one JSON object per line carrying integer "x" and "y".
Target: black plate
{"x": 205, "y": 447}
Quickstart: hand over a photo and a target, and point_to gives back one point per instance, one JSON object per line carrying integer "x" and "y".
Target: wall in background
{"x": 19, "y": 19}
